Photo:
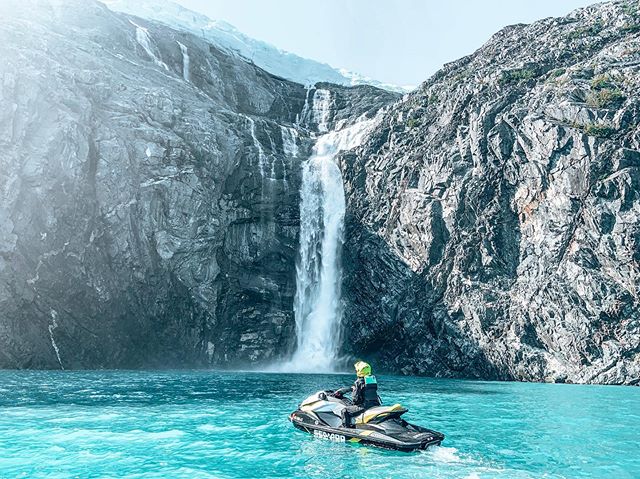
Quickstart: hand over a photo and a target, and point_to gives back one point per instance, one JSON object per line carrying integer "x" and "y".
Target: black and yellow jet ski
{"x": 382, "y": 426}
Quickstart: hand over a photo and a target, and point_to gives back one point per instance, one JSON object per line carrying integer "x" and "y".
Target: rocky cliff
{"x": 149, "y": 184}
{"x": 493, "y": 224}
{"x": 150, "y": 201}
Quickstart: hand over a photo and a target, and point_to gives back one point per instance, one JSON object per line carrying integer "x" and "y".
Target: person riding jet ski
{"x": 323, "y": 415}
{"x": 364, "y": 393}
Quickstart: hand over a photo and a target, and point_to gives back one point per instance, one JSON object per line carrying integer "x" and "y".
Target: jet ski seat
{"x": 380, "y": 412}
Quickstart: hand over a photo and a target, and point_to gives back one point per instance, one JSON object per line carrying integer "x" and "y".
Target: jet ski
{"x": 381, "y": 426}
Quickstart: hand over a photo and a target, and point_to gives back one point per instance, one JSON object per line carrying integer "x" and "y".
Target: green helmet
{"x": 362, "y": 369}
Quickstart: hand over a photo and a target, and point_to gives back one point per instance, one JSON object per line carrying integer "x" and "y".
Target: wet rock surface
{"x": 133, "y": 196}
{"x": 493, "y": 225}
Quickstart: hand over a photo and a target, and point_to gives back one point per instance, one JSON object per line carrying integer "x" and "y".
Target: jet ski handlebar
{"x": 341, "y": 392}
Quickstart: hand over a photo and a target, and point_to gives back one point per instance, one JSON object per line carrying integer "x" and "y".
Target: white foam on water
{"x": 473, "y": 468}
{"x": 172, "y": 434}
{"x": 213, "y": 428}
{"x": 445, "y": 454}
{"x": 136, "y": 435}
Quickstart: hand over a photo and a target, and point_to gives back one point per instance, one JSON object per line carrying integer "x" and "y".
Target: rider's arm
{"x": 357, "y": 394}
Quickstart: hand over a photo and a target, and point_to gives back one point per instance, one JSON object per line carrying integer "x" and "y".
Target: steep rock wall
{"x": 493, "y": 226}
{"x": 149, "y": 186}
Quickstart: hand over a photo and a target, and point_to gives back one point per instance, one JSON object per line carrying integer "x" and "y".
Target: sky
{"x": 402, "y": 42}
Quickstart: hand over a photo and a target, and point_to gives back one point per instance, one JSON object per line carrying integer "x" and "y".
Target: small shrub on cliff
{"x": 600, "y": 82}
{"x": 584, "y": 32}
{"x": 631, "y": 10}
{"x": 518, "y": 75}
{"x": 554, "y": 76}
{"x": 605, "y": 98}
{"x": 460, "y": 77}
{"x": 412, "y": 123}
{"x": 630, "y": 28}
{"x": 582, "y": 73}
{"x": 598, "y": 130}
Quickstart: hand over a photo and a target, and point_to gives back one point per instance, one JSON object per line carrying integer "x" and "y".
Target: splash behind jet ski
{"x": 382, "y": 426}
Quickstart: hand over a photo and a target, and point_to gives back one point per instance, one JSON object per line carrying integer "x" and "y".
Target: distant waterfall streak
{"x": 322, "y": 109}
{"x": 272, "y": 174}
{"x": 290, "y": 149}
{"x": 261, "y": 155}
{"x": 185, "y": 62}
{"x": 143, "y": 38}
{"x": 302, "y": 117}
{"x": 317, "y": 110}
{"x": 289, "y": 141}
{"x": 52, "y": 327}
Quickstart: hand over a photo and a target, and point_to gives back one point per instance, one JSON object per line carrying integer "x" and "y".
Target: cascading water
{"x": 318, "y": 272}
{"x": 185, "y": 62}
{"x": 318, "y": 310}
{"x": 261, "y": 154}
{"x": 143, "y": 38}
{"x": 290, "y": 147}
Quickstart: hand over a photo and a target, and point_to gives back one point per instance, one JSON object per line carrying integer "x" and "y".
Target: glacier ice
{"x": 226, "y": 36}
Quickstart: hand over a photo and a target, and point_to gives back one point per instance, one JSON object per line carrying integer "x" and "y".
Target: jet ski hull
{"x": 394, "y": 434}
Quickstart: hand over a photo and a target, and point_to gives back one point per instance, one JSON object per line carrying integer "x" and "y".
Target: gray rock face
{"x": 150, "y": 205}
{"x": 149, "y": 185}
{"x": 494, "y": 215}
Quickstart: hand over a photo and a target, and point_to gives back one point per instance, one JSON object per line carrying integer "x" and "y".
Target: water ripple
{"x": 221, "y": 425}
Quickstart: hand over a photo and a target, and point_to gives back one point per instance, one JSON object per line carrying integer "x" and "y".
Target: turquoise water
{"x": 234, "y": 425}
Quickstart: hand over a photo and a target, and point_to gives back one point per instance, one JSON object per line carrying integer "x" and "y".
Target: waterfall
{"x": 52, "y": 327}
{"x": 322, "y": 109}
{"x": 317, "y": 307}
{"x": 317, "y": 111}
{"x": 289, "y": 141}
{"x": 300, "y": 118}
{"x": 185, "y": 62}
{"x": 290, "y": 148}
{"x": 143, "y": 38}
{"x": 261, "y": 154}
